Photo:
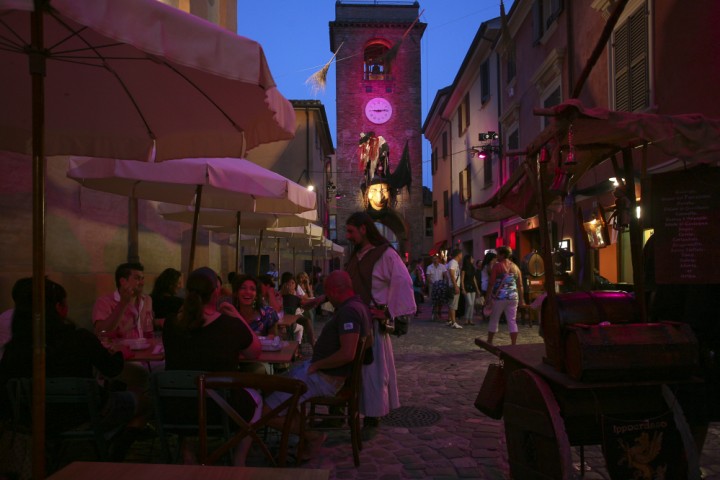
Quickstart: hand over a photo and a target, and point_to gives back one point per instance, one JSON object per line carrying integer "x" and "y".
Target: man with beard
{"x": 382, "y": 280}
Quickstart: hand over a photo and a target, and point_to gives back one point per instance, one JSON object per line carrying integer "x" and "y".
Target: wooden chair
{"x": 346, "y": 401}
{"x": 218, "y": 387}
{"x": 175, "y": 398}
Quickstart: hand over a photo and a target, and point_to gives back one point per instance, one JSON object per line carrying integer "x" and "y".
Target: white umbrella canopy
{"x": 228, "y": 218}
{"x": 220, "y": 183}
{"x": 137, "y": 79}
{"x": 237, "y": 220}
{"x": 227, "y": 183}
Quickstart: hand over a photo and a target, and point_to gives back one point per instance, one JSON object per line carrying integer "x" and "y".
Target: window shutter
{"x": 537, "y": 20}
{"x": 487, "y": 170}
{"x": 469, "y": 183}
{"x": 484, "y": 81}
{"x": 622, "y": 74}
{"x": 631, "y": 63}
{"x": 638, "y": 61}
{"x": 467, "y": 111}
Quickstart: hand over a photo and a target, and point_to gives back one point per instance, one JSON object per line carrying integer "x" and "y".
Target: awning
{"x": 598, "y": 134}
{"x": 437, "y": 247}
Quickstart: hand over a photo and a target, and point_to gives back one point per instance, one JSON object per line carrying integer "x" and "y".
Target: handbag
{"x": 487, "y": 310}
{"x": 491, "y": 396}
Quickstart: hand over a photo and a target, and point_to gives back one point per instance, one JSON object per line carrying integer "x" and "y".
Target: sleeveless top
{"x": 506, "y": 287}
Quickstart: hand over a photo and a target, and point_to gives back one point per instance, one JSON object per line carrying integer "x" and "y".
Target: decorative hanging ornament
{"x": 318, "y": 80}
{"x": 570, "y": 159}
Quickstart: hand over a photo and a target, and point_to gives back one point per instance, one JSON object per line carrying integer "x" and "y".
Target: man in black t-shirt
{"x": 334, "y": 350}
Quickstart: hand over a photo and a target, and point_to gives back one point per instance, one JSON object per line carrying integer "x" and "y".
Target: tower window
{"x": 375, "y": 66}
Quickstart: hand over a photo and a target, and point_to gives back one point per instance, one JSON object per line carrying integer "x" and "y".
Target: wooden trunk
{"x": 589, "y": 308}
{"x": 632, "y": 352}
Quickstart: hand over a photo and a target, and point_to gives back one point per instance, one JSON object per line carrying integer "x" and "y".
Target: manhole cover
{"x": 411, "y": 417}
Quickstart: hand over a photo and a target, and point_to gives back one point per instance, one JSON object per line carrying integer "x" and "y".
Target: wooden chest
{"x": 630, "y": 352}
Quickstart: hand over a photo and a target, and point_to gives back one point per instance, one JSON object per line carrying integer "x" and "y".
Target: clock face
{"x": 378, "y": 110}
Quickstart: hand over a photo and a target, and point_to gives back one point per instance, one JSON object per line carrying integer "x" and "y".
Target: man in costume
{"x": 382, "y": 280}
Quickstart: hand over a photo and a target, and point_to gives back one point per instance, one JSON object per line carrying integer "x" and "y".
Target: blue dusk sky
{"x": 296, "y": 39}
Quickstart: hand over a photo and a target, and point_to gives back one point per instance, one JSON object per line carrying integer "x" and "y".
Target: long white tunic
{"x": 391, "y": 286}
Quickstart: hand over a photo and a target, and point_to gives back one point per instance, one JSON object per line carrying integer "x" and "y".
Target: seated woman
{"x": 293, "y": 304}
{"x": 207, "y": 339}
{"x": 272, "y": 298}
{"x": 248, "y": 300}
{"x": 70, "y": 352}
{"x": 165, "y": 301}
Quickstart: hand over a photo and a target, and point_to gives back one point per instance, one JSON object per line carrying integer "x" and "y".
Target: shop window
{"x": 429, "y": 221}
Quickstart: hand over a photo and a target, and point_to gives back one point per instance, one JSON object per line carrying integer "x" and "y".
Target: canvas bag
{"x": 491, "y": 396}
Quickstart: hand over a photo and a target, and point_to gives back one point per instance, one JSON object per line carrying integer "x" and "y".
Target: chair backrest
{"x": 354, "y": 381}
{"x": 174, "y": 395}
{"x": 74, "y": 407}
{"x": 219, "y": 387}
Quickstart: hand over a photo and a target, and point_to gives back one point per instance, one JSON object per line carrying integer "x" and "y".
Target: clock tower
{"x": 378, "y": 108}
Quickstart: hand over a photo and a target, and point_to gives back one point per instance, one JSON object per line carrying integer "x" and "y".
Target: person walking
{"x": 505, "y": 294}
{"x": 469, "y": 287}
{"x": 382, "y": 280}
{"x": 437, "y": 278}
{"x": 453, "y": 268}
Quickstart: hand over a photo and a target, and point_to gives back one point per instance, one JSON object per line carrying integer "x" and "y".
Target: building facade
{"x": 379, "y": 92}
{"x": 543, "y": 54}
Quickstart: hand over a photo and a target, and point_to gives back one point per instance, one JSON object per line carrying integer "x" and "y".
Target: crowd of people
{"x": 206, "y": 327}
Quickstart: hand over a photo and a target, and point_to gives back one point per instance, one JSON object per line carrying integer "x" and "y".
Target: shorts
{"x": 453, "y": 303}
{"x": 318, "y": 384}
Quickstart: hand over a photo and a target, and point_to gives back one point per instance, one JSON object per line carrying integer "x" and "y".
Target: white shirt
{"x": 454, "y": 269}
{"x": 435, "y": 273}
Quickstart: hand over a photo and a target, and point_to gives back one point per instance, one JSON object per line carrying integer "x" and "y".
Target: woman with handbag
{"x": 505, "y": 294}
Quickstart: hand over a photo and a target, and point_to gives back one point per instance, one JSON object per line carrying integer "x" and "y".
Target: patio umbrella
{"x": 130, "y": 79}
{"x": 238, "y": 220}
{"x": 220, "y": 183}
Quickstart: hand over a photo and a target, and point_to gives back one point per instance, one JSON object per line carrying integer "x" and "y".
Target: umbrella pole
{"x": 277, "y": 245}
{"x": 133, "y": 254}
{"x": 293, "y": 263}
{"x": 196, "y": 216}
{"x": 238, "y": 218}
{"x": 257, "y": 270}
{"x": 37, "y": 72}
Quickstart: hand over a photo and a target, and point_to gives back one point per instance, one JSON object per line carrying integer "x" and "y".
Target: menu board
{"x": 686, "y": 217}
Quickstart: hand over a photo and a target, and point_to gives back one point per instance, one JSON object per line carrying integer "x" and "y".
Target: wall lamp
{"x": 484, "y": 151}
{"x": 486, "y": 136}
{"x": 309, "y": 183}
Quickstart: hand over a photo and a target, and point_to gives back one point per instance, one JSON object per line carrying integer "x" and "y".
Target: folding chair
{"x": 175, "y": 398}
{"x": 218, "y": 387}
{"x": 346, "y": 401}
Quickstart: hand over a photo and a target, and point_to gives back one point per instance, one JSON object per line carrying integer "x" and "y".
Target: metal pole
{"x": 37, "y": 72}
{"x": 238, "y": 220}
{"x": 196, "y": 217}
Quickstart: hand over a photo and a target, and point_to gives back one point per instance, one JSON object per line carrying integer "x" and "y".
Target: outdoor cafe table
{"x": 284, "y": 355}
{"x": 154, "y": 351}
{"x": 138, "y": 471}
